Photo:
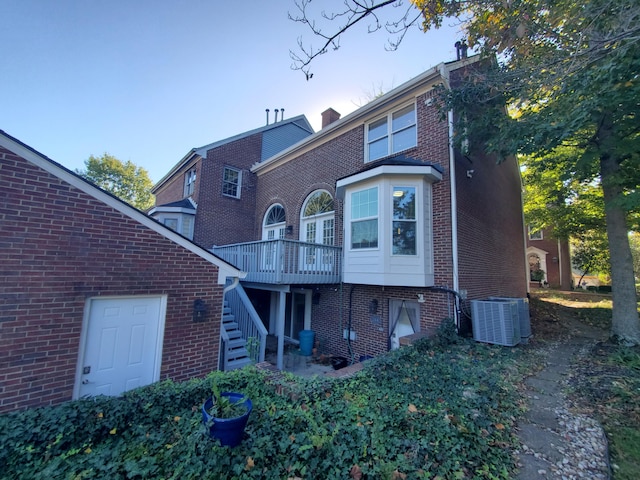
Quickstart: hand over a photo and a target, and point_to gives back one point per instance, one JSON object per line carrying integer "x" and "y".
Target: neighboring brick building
{"x": 372, "y": 228}
{"x": 550, "y": 256}
{"x": 95, "y": 296}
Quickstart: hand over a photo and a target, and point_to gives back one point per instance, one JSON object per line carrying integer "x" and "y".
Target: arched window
{"x": 317, "y": 222}
{"x": 274, "y": 223}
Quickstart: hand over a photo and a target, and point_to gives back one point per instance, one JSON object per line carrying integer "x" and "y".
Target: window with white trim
{"x": 364, "y": 218}
{"x": 404, "y": 225}
{"x": 535, "y": 234}
{"x": 189, "y": 182}
{"x": 231, "y": 182}
{"x": 392, "y": 133}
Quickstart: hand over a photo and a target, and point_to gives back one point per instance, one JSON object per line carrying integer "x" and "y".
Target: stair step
{"x": 236, "y": 342}
{"x": 228, "y": 326}
{"x": 234, "y": 364}
{"x": 234, "y": 334}
{"x": 237, "y": 352}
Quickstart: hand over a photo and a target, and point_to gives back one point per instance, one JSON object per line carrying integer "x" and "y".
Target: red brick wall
{"x": 173, "y": 189}
{"x": 490, "y": 228}
{"x": 561, "y": 254}
{"x": 222, "y": 220}
{"x": 60, "y": 246}
{"x": 320, "y": 168}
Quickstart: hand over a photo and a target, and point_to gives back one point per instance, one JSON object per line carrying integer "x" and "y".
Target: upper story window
{"x": 231, "y": 181}
{"x": 392, "y": 133}
{"x": 404, "y": 225}
{"x": 189, "y": 182}
{"x": 364, "y": 218}
{"x": 535, "y": 234}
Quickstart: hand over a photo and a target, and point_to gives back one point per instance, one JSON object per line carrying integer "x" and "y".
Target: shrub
{"x": 420, "y": 411}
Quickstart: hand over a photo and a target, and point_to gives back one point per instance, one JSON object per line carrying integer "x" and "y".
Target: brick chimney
{"x": 329, "y": 116}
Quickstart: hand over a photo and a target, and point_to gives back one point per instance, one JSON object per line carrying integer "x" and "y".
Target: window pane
{"x": 377, "y": 129}
{"x": 327, "y": 232}
{"x": 404, "y": 238}
{"x": 364, "y": 234}
{"x": 404, "y": 139}
{"x": 364, "y": 203}
{"x": 403, "y": 118}
{"x": 172, "y": 223}
{"x": 275, "y": 215}
{"x": 230, "y": 182}
{"x": 320, "y": 202}
{"x": 379, "y": 149}
{"x": 404, "y": 203}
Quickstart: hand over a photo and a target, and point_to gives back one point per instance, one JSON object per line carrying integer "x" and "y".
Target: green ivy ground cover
{"x": 426, "y": 411}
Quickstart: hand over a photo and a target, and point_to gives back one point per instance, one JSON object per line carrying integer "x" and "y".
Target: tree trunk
{"x": 625, "y": 326}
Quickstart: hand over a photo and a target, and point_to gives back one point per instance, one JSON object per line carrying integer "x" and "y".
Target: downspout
{"x": 560, "y": 264}
{"x": 454, "y": 205}
{"x": 444, "y": 73}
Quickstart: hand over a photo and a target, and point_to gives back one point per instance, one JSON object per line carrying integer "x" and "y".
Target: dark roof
{"x": 184, "y": 203}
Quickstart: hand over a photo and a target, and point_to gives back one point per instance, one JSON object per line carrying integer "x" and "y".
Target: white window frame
{"x": 390, "y": 133}
{"x": 416, "y": 220}
{"x": 354, "y": 219}
{"x": 225, "y": 182}
{"x": 535, "y": 234}
{"x": 190, "y": 182}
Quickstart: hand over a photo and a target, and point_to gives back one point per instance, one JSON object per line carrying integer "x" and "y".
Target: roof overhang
{"x": 430, "y": 174}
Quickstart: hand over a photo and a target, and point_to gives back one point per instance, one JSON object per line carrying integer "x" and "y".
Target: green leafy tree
{"x": 590, "y": 254}
{"x": 569, "y": 70}
{"x": 123, "y": 179}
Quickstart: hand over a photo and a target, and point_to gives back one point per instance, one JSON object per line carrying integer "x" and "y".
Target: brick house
{"x": 96, "y": 297}
{"x": 372, "y": 229}
{"x": 552, "y": 257}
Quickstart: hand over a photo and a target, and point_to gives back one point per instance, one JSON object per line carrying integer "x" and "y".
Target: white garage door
{"x": 122, "y": 344}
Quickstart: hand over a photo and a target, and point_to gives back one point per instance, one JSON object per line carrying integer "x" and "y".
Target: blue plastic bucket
{"x": 306, "y": 342}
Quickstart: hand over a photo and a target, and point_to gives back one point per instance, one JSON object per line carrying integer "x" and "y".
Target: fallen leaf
{"x": 412, "y": 408}
{"x": 250, "y": 464}
{"x": 356, "y": 472}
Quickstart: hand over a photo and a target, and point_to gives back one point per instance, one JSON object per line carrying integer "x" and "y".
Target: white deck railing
{"x": 284, "y": 261}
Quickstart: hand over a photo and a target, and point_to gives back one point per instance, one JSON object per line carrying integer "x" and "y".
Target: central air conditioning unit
{"x": 523, "y": 315}
{"x": 495, "y": 322}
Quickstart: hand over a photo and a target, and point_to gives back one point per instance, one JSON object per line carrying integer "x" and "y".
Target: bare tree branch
{"x": 354, "y": 12}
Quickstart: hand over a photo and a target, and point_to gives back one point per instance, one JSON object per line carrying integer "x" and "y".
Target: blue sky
{"x": 147, "y": 80}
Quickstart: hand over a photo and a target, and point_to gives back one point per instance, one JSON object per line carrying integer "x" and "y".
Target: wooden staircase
{"x": 236, "y": 353}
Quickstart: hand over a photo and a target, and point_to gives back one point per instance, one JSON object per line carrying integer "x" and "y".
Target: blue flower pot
{"x": 229, "y": 431}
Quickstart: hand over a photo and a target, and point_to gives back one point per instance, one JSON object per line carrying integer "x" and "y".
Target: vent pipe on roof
{"x": 276, "y": 119}
{"x": 281, "y": 114}
{"x": 267, "y": 110}
{"x": 461, "y": 49}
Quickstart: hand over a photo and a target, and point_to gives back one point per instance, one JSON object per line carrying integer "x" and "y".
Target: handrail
{"x": 249, "y": 322}
{"x": 284, "y": 261}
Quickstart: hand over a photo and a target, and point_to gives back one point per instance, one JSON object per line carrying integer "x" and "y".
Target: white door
{"x": 122, "y": 345}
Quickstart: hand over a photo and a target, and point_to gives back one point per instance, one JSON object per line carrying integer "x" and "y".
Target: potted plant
{"x": 225, "y": 414}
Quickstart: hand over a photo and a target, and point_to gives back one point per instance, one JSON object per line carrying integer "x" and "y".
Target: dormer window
{"x": 392, "y": 133}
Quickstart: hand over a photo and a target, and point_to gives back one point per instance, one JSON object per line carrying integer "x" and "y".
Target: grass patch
{"x": 434, "y": 410}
